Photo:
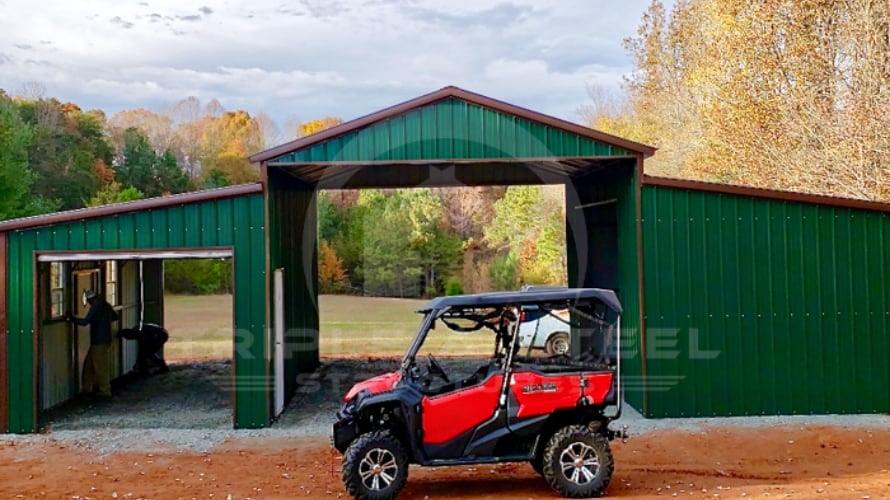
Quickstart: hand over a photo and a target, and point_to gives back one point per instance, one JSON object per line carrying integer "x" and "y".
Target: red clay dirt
{"x": 796, "y": 462}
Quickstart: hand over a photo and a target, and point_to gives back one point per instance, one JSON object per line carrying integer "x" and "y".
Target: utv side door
{"x": 453, "y": 420}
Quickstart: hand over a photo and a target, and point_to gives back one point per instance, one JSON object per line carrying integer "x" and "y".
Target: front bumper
{"x": 344, "y": 432}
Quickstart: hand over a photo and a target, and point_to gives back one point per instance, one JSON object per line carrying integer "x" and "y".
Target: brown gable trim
{"x": 773, "y": 194}
{"x": 131, "y": 206}
{"x": 445, "y": 93}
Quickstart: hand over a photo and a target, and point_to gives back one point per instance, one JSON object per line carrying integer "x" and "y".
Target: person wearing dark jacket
{"x": 150, "y": 340}
{"x": 97, "y": 365}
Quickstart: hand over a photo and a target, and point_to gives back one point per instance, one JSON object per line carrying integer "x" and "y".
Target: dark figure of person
{"x": 97, "y": 365}
{"x": 150, "y": 341}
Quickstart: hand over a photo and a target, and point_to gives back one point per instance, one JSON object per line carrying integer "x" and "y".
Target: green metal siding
{"x": 232, "y": 222}
{"x": 452, "y": 129}
{"x": 792, "y": 296}
{"x": 629, "y": 290}
{"x": 20, "y": 343}
{"x": 293, "y": 227}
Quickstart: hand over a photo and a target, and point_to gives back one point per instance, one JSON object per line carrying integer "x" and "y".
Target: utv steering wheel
{"x": 436, "y": 369}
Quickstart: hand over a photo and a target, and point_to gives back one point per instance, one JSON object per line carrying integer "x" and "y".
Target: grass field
{"x": 201, "y": 328}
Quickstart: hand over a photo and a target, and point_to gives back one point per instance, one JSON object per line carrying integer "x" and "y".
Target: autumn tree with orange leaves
{"x": 332, "y": 278}
{"x": 783, "y": 94}
{"x": 316, "y": 126}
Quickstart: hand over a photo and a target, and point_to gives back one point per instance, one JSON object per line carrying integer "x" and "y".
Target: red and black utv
{"x": 512, "y": 405}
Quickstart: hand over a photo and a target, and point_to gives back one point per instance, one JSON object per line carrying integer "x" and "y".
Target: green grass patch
{"x": 201, "y": 328}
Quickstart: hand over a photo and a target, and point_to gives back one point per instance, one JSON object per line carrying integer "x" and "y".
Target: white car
{"x": 552, "y": 330}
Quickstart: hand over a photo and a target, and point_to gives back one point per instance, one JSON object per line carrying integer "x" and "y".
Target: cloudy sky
{"x": 311, "y": 58}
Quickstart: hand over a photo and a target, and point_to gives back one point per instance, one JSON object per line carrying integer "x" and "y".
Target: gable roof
{"x": 445, "y": 93}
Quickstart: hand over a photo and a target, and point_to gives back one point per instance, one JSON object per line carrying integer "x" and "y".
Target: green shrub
{"x": 504, "y": 272}
{"x": 453, "y": 286}
{"x": 198, "y": 276}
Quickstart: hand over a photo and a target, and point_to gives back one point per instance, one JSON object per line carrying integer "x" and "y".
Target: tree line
{"x": 56, "y": 156}
{"x": 783, "y": 94}
{"x": 404, "y": 243}
{"x": 432, "y": 241}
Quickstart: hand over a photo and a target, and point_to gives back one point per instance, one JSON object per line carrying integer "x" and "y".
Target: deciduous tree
{"x": 332, "y": 277}
{"x": 773, "y": 93}
{"x": 114, "y": 192}
{"x": 15, "y": 176}
{"x": 316, "y": 126}
{"x": 151, "y": 173}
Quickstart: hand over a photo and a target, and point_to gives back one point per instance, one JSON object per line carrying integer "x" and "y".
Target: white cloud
{"x": 315, "y": 57}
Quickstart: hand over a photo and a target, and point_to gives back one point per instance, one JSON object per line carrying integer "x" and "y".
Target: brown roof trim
{"x": 773, "y": 194}
{"x": 445, "y": 93}
{"x": 131, "y": 206}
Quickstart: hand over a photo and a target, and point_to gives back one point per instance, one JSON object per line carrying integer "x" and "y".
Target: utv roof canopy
{"x": 532, "y": 296}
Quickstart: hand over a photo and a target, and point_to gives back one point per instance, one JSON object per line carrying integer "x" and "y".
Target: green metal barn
{"x": 737, "y": 301}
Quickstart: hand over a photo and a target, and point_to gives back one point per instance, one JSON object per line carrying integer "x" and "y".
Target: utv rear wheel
{"x": 557, "y": 344}
{"x": 578, "y": 463}
{"x": 375, "y": 467}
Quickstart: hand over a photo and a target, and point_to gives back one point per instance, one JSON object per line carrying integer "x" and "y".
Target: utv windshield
{"x": 463, "y": 332}
{"x": 460, "y": 346}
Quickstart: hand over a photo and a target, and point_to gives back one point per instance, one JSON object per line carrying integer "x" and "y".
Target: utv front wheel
{"x": 375, "y": 467}
{"x": 578, "y": 462}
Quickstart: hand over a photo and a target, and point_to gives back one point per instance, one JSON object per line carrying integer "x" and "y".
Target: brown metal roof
{"x": 131, "y": 206}
{"x": 458, "y": 93}
{"x": 773, "y": 194}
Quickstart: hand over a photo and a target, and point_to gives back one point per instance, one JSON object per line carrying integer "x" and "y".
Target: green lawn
{"x": 201, "y": 328}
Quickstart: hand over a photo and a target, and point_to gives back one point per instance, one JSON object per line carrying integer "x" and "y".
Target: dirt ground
{"x": 150, "y": 443}
{"x": 799, "y": 462}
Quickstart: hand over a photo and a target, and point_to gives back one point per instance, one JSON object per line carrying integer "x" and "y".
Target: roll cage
{"x": 595, "y": 321}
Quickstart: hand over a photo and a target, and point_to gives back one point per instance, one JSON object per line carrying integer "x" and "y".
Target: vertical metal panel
{"x": 453, "y": 129}
{"x": 14, "y": 333}
{"x": 628, "y": 285}
{"x": 110, "y": 232}
{"x": 55, "y": 367}
{"x": 5, "y": 306}
{"x": 21, "y": 370}
{"x": 126, "y": 231}
{"x": 231, "y": 222}
{"x": 252, "y": 388}
{"x": 791, "y": 297}
{"x": 293, "y": 247}
{"x": 129, "y": 293}
{"x": 93, "y": 234}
